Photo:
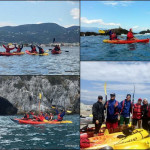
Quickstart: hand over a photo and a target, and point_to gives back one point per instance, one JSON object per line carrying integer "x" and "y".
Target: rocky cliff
{"x": 19, "y": 94}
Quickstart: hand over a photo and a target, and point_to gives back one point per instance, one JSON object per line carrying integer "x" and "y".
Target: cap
{"x": 100, "y": 97}
{"x": 112, "y": 94}
{"x": 140, "y": 99}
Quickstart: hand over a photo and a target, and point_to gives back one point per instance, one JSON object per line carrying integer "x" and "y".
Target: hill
{"x": 39, "y": 33}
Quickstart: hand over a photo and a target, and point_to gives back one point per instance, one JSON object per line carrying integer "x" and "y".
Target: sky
{"x": 120, "y": 78}
{"x": 112, "y": 14}
{"x": 34, "y": 12}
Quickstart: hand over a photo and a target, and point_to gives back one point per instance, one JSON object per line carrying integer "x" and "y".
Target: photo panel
{"x": 39, "y": 112}
{"x": 39, "y": 39}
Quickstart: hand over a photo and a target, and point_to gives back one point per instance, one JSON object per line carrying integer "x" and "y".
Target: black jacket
{"x": 144, "y": 110}
{"x": 98, "y": 112}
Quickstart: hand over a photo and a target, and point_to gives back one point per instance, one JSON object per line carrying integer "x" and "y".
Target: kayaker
{"x": 57, "y": 48}
{"x": 110, "y": 33}
{"x": 19, "y": 48}
{"x": 137, "y": 113}
{"x": 125, "y": 110}
{"x": 41, "y": 117}
{"x": 60, "y": 115}
{"x": 26, "y": 116}
{"x": 113, "y": 36}
{"x": 145, "y": 112}
{"x": 33, "y": 49}
{"x": 130, "y": 35}
{"x": 51, "y": 117}
{"x": 8, "y": 49}
{"x": 46, "y": 116}
{"x": 98, "y": 114}
{"x": 113, "y": 107}
{"x": 41, "y": 51}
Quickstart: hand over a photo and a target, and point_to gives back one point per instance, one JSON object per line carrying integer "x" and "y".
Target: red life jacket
{"x": 117, "y": 112}
{"x": 59, "y": 117}
{"x": 137, "y": 111}
{"x": 113, "y": 36}
{"x": 27, "y": 116}
{"x": 130, "y": 35}
{"x": 18, "y": 49}
{"x": 148, "y": 113}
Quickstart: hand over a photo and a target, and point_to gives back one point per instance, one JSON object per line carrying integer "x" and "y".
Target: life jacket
{"x": 59, "y": 117}
{"x": 18, "y": 49}
{"x": 27, "y": 116}
{"x": 130, "y": 35}
{"x": 34, "y": 50}
{"x": 148, "y": 113}
{"x": 123, "y": 105}
{"x": 113, "y": 36}
{"x": 116, "y": 110}
{"x": 137, "y": 111}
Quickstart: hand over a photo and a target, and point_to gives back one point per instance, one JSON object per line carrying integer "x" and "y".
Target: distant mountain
{"x": 146, "y": 31}
{"x": 88, "y": 102}
{"x": 90, "y": 29}
{"x": 39, "y": 33}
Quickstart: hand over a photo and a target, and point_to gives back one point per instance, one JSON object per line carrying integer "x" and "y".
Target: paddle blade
{"x": 10, "y": 44}
{"x": 40, "y": 96}
{"x": 101, "y": 31}
{"x": 91, "y": 115}
{"x": 69, "y": 111}
{"x": 105, "y": 88}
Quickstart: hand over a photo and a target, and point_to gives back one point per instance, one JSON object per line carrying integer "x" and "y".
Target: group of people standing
{"x": 118, "y": 113}
{"x": 45, "y": 116}
{"x": 113, "y": 35}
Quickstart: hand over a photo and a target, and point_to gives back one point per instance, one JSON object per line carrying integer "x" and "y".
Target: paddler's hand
{"x": 97, "y": 122}
{"x": 106, "y": 106}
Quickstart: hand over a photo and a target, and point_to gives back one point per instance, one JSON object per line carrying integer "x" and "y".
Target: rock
{"x": 23, "y": 92}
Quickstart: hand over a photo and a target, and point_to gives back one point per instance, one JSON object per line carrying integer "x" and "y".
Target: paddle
{"x": 133, "y": 101}
{"x": 40, "y": 97}
{"x": 105, "y": 98}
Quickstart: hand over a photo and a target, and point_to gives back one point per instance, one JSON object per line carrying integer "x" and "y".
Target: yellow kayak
{"x": 142, "y": 144}
{"x": 57, "y": 122}
{"x": 115, "y": 139}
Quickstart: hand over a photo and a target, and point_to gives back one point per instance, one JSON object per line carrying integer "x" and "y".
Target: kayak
{"x": 110, "y": 140}
{"x": 56, "y": 52}
{"x": 10, "y": 54}
{"x": 126, "y": 41}
{"x": 30, "y": 121}
{"x": 142, "y": 144}
{"x": 28, "y": 52}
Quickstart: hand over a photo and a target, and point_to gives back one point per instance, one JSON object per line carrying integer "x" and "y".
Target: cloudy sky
{"x": 119, "y": 76}
{"x": 32, "y": 12}
{"x": 112, "y": 14}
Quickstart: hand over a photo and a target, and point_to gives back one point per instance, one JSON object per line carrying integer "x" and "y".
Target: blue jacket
{"x": 112, "y": 112}
{"x": 62, "y": 114}
{"x": 126, "y": 109}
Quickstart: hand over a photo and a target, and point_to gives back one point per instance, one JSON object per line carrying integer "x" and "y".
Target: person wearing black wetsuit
{"x": 41, "y": 51}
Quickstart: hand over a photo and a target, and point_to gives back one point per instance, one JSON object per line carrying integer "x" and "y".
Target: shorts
{"x": 134, "y": 121}
{"x": 110, "y": 125}
{"x": 124, "y": 119}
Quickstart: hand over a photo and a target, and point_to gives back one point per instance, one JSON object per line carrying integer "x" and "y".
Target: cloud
{"x": 2, "y": 24}
{"x": 75, "y": 13}
{"x": 39, "y": 22}
{"x": 99, "y": 21}
{"x": 133, "y": 72}
{"x": 70, "y": 25}
{"x": 114, "y": 3}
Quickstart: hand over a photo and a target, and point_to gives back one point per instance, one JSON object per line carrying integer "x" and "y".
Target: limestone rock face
{"x": 23, "y": 92}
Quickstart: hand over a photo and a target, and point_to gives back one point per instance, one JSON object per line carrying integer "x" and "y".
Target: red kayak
{"x": 126, "y": 41}
{"x": 10, "y": 54}
{"x": 31, "y": 121}
{"x": 56, "y": 52}
{"x": 28, "y": 52}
